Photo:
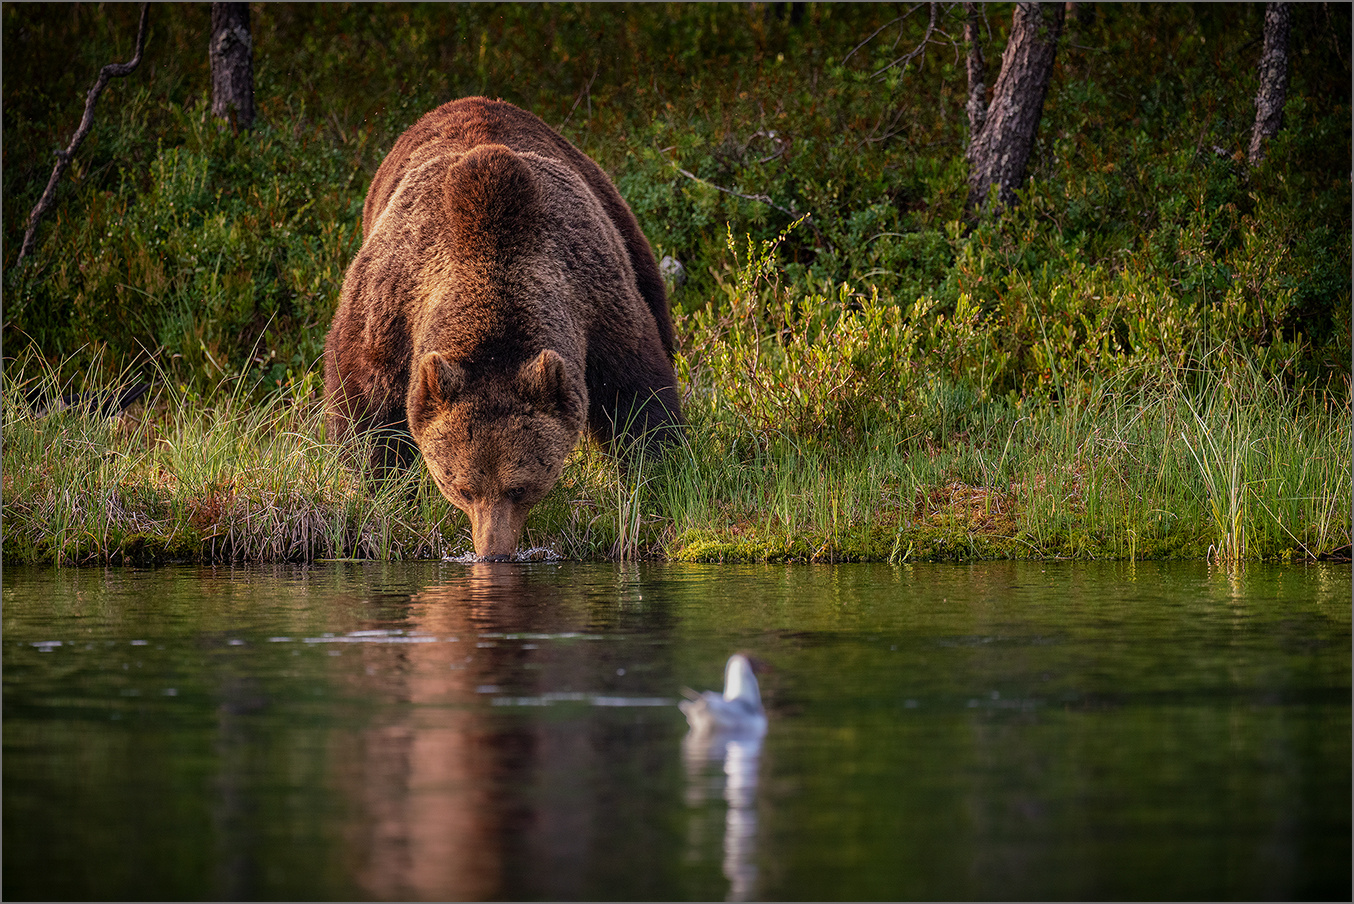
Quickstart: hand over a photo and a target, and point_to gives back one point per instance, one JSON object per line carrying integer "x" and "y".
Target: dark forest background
{"x": 1141, "y": 233}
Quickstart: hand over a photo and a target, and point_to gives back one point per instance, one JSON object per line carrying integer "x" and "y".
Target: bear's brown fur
{"x": 503, "y": 300}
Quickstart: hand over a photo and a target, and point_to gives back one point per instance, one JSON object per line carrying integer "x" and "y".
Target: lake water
{"x": 1000, "y": 730}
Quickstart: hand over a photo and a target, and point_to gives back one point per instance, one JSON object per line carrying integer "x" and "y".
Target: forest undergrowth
{"x": 1148, "y": 356}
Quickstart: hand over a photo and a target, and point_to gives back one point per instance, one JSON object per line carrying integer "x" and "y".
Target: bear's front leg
{"x": 392, "y": 449}
{"x": 639, "y": 423}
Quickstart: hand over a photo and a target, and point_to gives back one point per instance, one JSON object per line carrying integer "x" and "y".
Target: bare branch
{"x": 63, "y": 158}
{"x": 876, "y": 32}
{"x": 761, "y": 199}
{"x": 587, "y": 90}
{"x": 920, "y": 48}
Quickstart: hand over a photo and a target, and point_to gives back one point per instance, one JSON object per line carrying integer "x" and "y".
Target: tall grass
{"x": 1157, "y": 469}
{"x": 180, "y": 478}
{"x": 815, "y": 435}
{"x": 1148, "y": 356}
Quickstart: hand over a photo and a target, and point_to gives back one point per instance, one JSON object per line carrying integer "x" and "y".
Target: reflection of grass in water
{"x": 1219, "y": 464}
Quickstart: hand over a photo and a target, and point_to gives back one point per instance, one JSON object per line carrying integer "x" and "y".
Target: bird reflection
{"x": 727, "y": 731}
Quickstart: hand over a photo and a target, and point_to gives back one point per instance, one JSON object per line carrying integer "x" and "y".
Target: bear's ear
{"x": 435, "y": 386}
{"x": 546, "y": 381}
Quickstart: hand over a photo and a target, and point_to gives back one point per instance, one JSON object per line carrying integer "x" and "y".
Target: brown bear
{"x": 504, "y": 299}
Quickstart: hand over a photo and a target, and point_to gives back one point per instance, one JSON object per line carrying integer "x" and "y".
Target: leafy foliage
{"x": 864, "y": 368}
{"x": 1140, "y": 235}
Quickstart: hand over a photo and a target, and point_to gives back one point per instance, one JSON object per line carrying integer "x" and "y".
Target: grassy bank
{"x": 1239, "y": 471}
{"x": 1149, "y": 356}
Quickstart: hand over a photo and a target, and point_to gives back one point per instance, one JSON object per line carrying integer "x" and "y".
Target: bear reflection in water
{"x": 429, "y": 777}
{"x": 504, "y": 302}
{"x": 455, "y": 797}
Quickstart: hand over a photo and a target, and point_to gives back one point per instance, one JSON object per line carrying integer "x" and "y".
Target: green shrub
{"x": 864, "y": 367}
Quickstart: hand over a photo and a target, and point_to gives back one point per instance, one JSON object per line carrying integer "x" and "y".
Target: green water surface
{"x": 444, "y": 731}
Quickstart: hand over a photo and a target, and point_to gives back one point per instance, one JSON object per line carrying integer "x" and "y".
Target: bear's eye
{"x": 516, "y": 494}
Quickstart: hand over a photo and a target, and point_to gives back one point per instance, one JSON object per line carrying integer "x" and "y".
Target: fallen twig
{"x": 63, "y": 158}
{"x": 587, "y": 90}
{"x": 761, "y": 199}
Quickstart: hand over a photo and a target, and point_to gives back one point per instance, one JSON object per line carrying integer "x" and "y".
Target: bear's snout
{"x": 495, "y": 527}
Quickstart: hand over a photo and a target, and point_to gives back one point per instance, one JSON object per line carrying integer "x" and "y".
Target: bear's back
{"x": 462, "y": 125}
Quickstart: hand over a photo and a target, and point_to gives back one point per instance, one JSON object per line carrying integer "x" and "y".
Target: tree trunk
{"x": 1269, "y": 100}
{"x": 977, "y": 73}
{"x": 231, "y": 52}
{"x": 1082, "y": 14}
{"x": 999, "y": 153}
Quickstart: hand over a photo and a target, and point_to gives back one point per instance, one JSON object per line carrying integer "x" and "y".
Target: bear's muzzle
{"x": 495, "y": 527}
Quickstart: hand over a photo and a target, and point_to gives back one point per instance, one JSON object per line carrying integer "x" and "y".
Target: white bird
{"x": 739, "y": 711}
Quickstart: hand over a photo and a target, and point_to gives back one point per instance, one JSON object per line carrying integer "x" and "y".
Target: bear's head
{"x": 496, "y": 446}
